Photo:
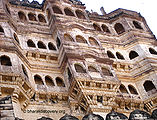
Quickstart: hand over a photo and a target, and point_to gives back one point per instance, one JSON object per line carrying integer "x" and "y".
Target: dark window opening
{"x": 92, "y": 69}
{"x": 5, "y": 60}
{"x": 110, "y": 54}
{"x": 148, "y": 86}
{"x": 96, "y": 27}
{"x": 56, "y": 10}
{"x": 152, "y": 51}
{"x": 24, "y": 71}
{"x": 119, "y": 28}
{"x": 32, "y": 17}
{"x": 30, "y": 43}
{"x": 58, "y": 41}
{"x": 67, "y": 37}
{"x": 41, "y": 18}
{"x": 119, "y": 56}
{"x": 80, "y": 14}
{"x": 1, "y": 30}
{"x": 49, "y": 81}
{"x": 69, "y": 75}
{"x": 22, "y": 16}
{"x": 105, "y": 28}
{"x": 133, "y": 55}
{"x": 106, "y": 72}
{"x": 41, "y": 45}
{"x": 132, "y": 90}
{"x": 93, "y": 42}
{"x": 137, "y": 25}
{"x": 80, "y": 39}
{"x": 60, "y": 82}
{"x": 38, "y": 80}
{"x": 51, "y": 46}
{"x": 100, "y": 99}
{"x": 123, "y": 89}
{"x": 7, "y": 9}
{"x": 68, "y": 12}
{"x": 79, "y": 69}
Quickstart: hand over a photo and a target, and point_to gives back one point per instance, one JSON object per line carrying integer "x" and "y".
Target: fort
{"x": 59, "y": 61}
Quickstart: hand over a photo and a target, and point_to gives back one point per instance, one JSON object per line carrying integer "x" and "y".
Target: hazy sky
{"x": 147, "y": 8}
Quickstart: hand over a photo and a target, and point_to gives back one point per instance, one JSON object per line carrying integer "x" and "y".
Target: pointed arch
{"x": 137, "y": 25}
{"x": 5, "y": 60}
{"x": 119, "y": 28}
{"x": 68, "y": 37}
{"x": 80, "y": 14}
{"x": 148, "y": 85}
{"x": 68, "y": 12}
{"x": 80, "y": 39}
{"x": 105, "y": 28}
{"x": 110, "y": 54}
{"x": 32, "y": 17}
{"x": 119, "y": 56}
{"x": 16, "y": 38}
{"x": 132, "y": 90}
{"x": 51, "y": 46}
{"x": 133, "y": 54}
{"x": 41, "y": 18}
{"x": 93, "y": 41}
{"x": 92, "y": 69}
{"x": 56, "y": 10}
{"x": 79, "y": 68}
{"x": 152, "y": 51}
{"x": 106, "y": 72}
{"x": 30, "y": 43}
{"x": 60, "y": 82}
{"x": 41, "y": 45}
{"x": 38, "y": 80}
{"x": 96, "y": 27}
{"x": 49, "y": 82}
{"x": 22, "y": 16}
{"x": 123, "y": 89}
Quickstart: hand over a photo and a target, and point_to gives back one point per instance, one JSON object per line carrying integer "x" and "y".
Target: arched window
{"x": 41, "y": 18}
{"x": 38, "y": 80}
{"x": 58, "y": 41}
{"x": 68, "y": 12}
{"x": 119, "y": 28}
{"x": 48, "y": 14}
{"x": 80, "y": 39}
{"x": 1, "y": 30}
{"x": 60, "y": 82}
{"x": 152, "y": 51}
{"x": 16, "y": 38}
{"x": 119, "y": 56}
{"x": 41, "y": 45}
{"x": 123, "y": 89}
{"x": 110, "y": 54}
{"x": 80, "y": 14}
{"x": 92, "y": 69}
{"x": 49, "y": 81}
{"x": 67, "y": 37}
{"x": 106, "y": 72}
{"x": 133, "y": 55}
{"x": 22, "y": 16}
{"x": 148, "y": 85}
{"x": 79, "y": 68}
{"x": 51, "y": 46}
{"x": 96, "y": 27}
{"x": 5, "y": 60}
{"x": 56, "y": 10}
{"x": 132, "y": 89}
{"x": 105, "y": 28}
{"x": 93, "y": 42}
{"x": 32, "y": 17}
{"x": 24, "y": 71}
{"x": 30, "y": 43}
{"x": 137, "y": 25}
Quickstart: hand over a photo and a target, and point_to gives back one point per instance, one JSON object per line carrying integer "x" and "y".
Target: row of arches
{"x": 132, "y": 54}
{"x": 148, "y": 86}
{"x": 31, "y": 17}
{"x": 41, "y": 45}
{"x": 119, "y": 28}
{"x": 80, "y": 69}
{"x": 92, "y": 41}
{"x": 67, "y": 11}
{"x": 48, "y": 81}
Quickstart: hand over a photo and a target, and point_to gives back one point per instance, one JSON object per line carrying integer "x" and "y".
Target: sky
{"x": 147, "y": 8}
